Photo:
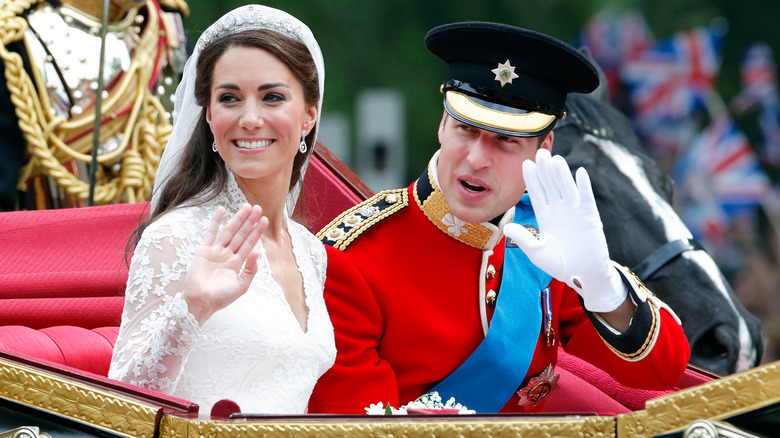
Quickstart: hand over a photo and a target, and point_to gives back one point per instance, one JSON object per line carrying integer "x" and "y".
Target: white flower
{"x": 454, "y": 225}
{"x": 380, "y": 409}
{"x": 431, "y": 400}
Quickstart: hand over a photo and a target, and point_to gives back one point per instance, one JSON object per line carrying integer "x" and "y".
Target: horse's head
{"x": 634, "y": 199}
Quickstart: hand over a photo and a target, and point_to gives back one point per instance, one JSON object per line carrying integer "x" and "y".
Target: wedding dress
{"x": 254, "y": 352}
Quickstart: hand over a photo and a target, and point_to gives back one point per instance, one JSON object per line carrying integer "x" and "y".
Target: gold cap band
{"x": 465, "y": 108}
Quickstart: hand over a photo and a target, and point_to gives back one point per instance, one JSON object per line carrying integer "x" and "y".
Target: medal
{"x": 538, "y": 388}
{"x": 547, "y": 318}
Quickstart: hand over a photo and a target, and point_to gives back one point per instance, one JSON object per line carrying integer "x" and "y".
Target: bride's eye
{"x": 274, "y": 97}
{"x": 227, "y": 98}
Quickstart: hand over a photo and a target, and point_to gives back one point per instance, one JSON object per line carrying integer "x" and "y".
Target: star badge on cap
{"x": 505, "y": 73}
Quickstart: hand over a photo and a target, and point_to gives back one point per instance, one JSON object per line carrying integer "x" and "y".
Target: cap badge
{"x": 505, "y": 73}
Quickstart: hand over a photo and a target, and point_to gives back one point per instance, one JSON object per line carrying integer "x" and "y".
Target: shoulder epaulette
{"x": 346, "y": 227}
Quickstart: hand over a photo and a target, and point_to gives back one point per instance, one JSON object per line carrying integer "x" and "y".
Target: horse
{"x": 644, "y": 233}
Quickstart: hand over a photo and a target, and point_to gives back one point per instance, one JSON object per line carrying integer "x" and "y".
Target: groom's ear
{"x": 547, "y": 142}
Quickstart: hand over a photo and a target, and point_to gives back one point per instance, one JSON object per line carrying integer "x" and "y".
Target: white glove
{"x": 571, "y": 246}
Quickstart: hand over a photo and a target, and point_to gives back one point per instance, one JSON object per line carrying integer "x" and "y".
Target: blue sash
{"x": 496, "y": 369}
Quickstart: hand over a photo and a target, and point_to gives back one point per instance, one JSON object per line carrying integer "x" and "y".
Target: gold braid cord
{"x": 130, "y": 108}
{"x": 179, "y": 5}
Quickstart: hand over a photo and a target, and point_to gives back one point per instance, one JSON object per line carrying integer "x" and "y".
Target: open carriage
{"x": 62, "y": 278}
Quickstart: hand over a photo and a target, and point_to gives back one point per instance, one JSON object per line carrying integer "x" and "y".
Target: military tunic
{"x": 410, "y": 290}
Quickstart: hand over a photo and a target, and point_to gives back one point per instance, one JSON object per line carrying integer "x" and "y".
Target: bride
{"x": 233, "y": 311}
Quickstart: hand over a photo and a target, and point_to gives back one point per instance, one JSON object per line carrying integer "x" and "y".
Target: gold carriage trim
{"x": 80, "y": 402}
{"x": 716, "y": 400}
{"x": 394, "y": 426}
{"x": 346, "y": 227}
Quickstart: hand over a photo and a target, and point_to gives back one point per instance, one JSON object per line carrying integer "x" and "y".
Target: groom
{"x": 425, "y": 292}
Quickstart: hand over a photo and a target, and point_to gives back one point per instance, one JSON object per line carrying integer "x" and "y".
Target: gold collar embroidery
{"x": 431, "y": 201}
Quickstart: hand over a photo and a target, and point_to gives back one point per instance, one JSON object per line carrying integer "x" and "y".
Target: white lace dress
{"x": 253, "y": 352}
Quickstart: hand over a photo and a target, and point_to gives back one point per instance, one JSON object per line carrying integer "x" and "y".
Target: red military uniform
{"x": 409, "y": 291}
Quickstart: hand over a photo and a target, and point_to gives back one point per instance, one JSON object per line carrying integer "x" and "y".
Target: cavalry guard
{"x": 50, "y": 55}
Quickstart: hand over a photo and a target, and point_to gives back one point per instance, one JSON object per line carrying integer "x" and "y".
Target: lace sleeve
{"x": 157, "y": 329}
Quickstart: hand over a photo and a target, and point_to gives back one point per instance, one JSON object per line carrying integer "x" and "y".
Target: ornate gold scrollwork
{"x": 25, "y": 432}
{"x": 714, "y": 429}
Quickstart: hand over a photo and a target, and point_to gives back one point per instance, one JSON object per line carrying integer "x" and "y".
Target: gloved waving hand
{"x": 571, "y": 246}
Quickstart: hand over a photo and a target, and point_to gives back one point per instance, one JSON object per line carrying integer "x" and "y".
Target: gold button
{"x": 391, "y": 199}
{"x": 490, "y": 298}
{"x": 491, "y": 272}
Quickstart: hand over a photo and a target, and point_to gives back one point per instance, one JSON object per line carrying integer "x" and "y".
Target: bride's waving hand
{"x": 225, "y": 262}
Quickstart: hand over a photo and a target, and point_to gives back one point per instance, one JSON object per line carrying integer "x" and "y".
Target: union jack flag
{"x": 676, "y": 76}
{"x": 769, "y": 122}
{"x": 759, "y": 79}
{"x": 662, "y": 137}
{"x": 758, "y": 68}
{"x": 707, "y": 222}
{"x": 722, "y": 164}
{"x": 612, "y": 39}
{"x": 718, "y": 179}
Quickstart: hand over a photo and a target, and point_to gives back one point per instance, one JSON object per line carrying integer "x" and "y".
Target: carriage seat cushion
{"x": 76, "y": 347}
{"x": 587, "y": 388}
{"x": 66, "y": 253}
{"x": 62, "y": 281}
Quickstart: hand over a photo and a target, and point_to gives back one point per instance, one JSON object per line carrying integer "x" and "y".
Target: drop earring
{"x": 214, "y": 146}
{"x": 302, "y": 147}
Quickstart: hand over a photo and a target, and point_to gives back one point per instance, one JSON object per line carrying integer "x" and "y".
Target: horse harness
{"x": 663, "y": 255}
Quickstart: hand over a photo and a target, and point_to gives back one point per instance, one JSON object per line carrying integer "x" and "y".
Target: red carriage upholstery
{"x": 63, "y": 274}
{"x": 586, "y": 388}
{"x": 62, "y": 277}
